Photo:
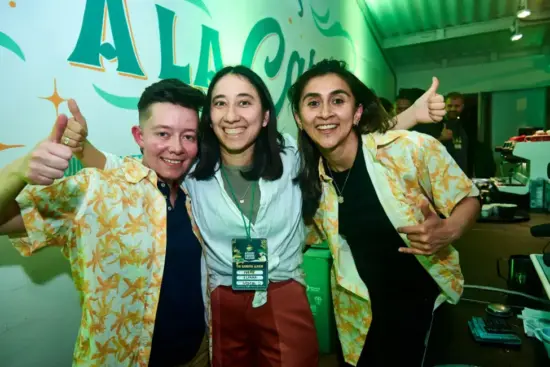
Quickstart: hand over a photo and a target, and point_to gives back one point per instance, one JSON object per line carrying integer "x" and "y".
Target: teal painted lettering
{"x": 168, "y": 69}
{"x": 261, "y": 30}
{"x": 89, "y": 48}
{"x": 210, "y": 40}
{"x": 295, "y": 60}
{"x": 311, "y": 58}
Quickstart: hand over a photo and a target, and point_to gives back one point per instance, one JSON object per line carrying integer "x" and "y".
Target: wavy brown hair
{"x": 374, "y": 119}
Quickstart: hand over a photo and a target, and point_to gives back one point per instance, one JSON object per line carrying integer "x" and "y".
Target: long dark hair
{"x": 374, "y": 119}
{"x": 266, "y": 161}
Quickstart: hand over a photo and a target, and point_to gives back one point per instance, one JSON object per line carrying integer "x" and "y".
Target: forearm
{"x": 12, "y": 184}
{"x": 406, "y": 119}
{"x": 91, "y": 156}
{"x": 463, "y": 217}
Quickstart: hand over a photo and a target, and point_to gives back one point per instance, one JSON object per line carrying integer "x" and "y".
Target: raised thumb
{"x": 75, "y": 111}
{"x": 434, "y": 86}
{"x": 59, "y": 128}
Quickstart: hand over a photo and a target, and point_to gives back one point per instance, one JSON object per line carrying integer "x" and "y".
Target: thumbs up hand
{"x": 428, "y": 237}
{"x": 49, "y": 160}
{"x": 430, "y": 107}
{"x": 76, "y": 132}
{"x": 446, "y": 134}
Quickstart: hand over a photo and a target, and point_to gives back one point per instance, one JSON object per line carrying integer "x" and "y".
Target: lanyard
{"x": 249, "y": 227}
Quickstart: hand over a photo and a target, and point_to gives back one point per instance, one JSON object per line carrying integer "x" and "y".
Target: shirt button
{"x": 169, "y": 208}
{"x": 162, "y": 184}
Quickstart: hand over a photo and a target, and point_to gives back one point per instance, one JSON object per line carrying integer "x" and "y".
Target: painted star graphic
{"x": 55, "y": 98}
{"x": 8, "y": 146}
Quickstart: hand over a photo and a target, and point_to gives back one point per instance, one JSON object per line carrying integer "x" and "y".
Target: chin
{"x": 172, "y": 174}
{"x": 328, "y": 142}
{"x": 236, "y": 147}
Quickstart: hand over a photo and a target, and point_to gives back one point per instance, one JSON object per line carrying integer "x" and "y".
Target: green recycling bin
{"x": 317, "y": 264}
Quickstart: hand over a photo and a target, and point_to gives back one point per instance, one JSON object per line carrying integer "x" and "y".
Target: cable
{"x": 545, "y": 247}
{"x": 507, "y": 291}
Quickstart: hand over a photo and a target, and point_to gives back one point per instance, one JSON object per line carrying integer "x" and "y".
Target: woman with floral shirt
{"x": 378, "y": 196}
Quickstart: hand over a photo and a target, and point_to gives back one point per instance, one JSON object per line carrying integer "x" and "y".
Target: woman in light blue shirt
{"x": 242, "y": 188}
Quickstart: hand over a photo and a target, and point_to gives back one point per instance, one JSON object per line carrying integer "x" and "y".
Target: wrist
{"x": 407, "y": 119}
{"x": 83, "y": 148}
{"x": 453, "y": 229}
{"x": 18, "y": 170}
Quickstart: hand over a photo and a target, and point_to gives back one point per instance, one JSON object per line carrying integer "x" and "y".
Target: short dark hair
{"x": 410, "y": 94}
{"x": 454, "y": 95}
{"x": 402, "y": 95}
{"x": 169, "y": 91}
{"x": 266, "y": 161}
{"x": 373, "y": 119}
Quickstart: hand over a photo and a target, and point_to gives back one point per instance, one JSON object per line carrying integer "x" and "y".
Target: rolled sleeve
{"x": 112, "y": 161}
{"x": 50, "y": 213}
{"x": 442, "y": 178}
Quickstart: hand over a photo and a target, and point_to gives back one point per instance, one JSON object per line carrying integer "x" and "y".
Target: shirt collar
{"x": 371, "y": 143}
{"x": 135, "y": 171}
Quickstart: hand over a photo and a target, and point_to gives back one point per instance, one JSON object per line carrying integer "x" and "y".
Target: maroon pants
{"x": 280, "y": 333}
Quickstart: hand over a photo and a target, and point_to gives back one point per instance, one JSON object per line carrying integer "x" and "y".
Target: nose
{"x": 326, "y": 111}
{"x": 176, "y": 146}
{"x": 231, "y": 115}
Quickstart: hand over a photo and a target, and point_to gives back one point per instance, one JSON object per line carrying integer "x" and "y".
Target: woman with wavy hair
{"x": 378, "y": 197}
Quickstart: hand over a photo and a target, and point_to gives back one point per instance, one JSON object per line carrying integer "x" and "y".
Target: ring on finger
{"x": 66, "y": 140}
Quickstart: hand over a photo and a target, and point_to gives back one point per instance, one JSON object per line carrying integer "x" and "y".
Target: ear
{"x": 357, "y": 115}
{"x": 298, "y": 121}
{"x": 266, "y": 119}
{"x": 138, "y": 136}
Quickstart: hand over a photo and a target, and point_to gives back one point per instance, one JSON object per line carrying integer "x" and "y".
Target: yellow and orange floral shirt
{"x": 111, "y": 225}
{"x": 406, "y": 168}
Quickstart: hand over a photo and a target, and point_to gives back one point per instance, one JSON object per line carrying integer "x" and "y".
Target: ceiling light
{"x": 523, "y": 11}
{"x": 516, "y": 34}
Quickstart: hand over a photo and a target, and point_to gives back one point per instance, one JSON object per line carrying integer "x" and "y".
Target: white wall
{"x": 39, "y": 311}
{"x": 520, "y": 73}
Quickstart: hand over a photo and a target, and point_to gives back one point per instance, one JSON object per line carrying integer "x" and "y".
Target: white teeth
{"x": 171, "y": 161}
{"x": 326, "y": 127}
{"x": 234, "y": 131}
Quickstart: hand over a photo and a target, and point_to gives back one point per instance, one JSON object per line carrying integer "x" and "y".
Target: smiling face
{"x": 328, "y": 112}
{"x": 454, "y": 107}
{"x": 168, "y": 138}
{"x": 237, "y": 114}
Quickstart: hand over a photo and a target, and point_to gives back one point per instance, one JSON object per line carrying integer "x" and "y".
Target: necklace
{"x": 241, "y": 199}
{"x": 340, "y": 192}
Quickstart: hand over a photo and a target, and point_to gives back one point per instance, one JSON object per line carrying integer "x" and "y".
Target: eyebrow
{"x": 159, "y": 127}
{"x": 238, "y": 95}
{"x": 334, "y": 92}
